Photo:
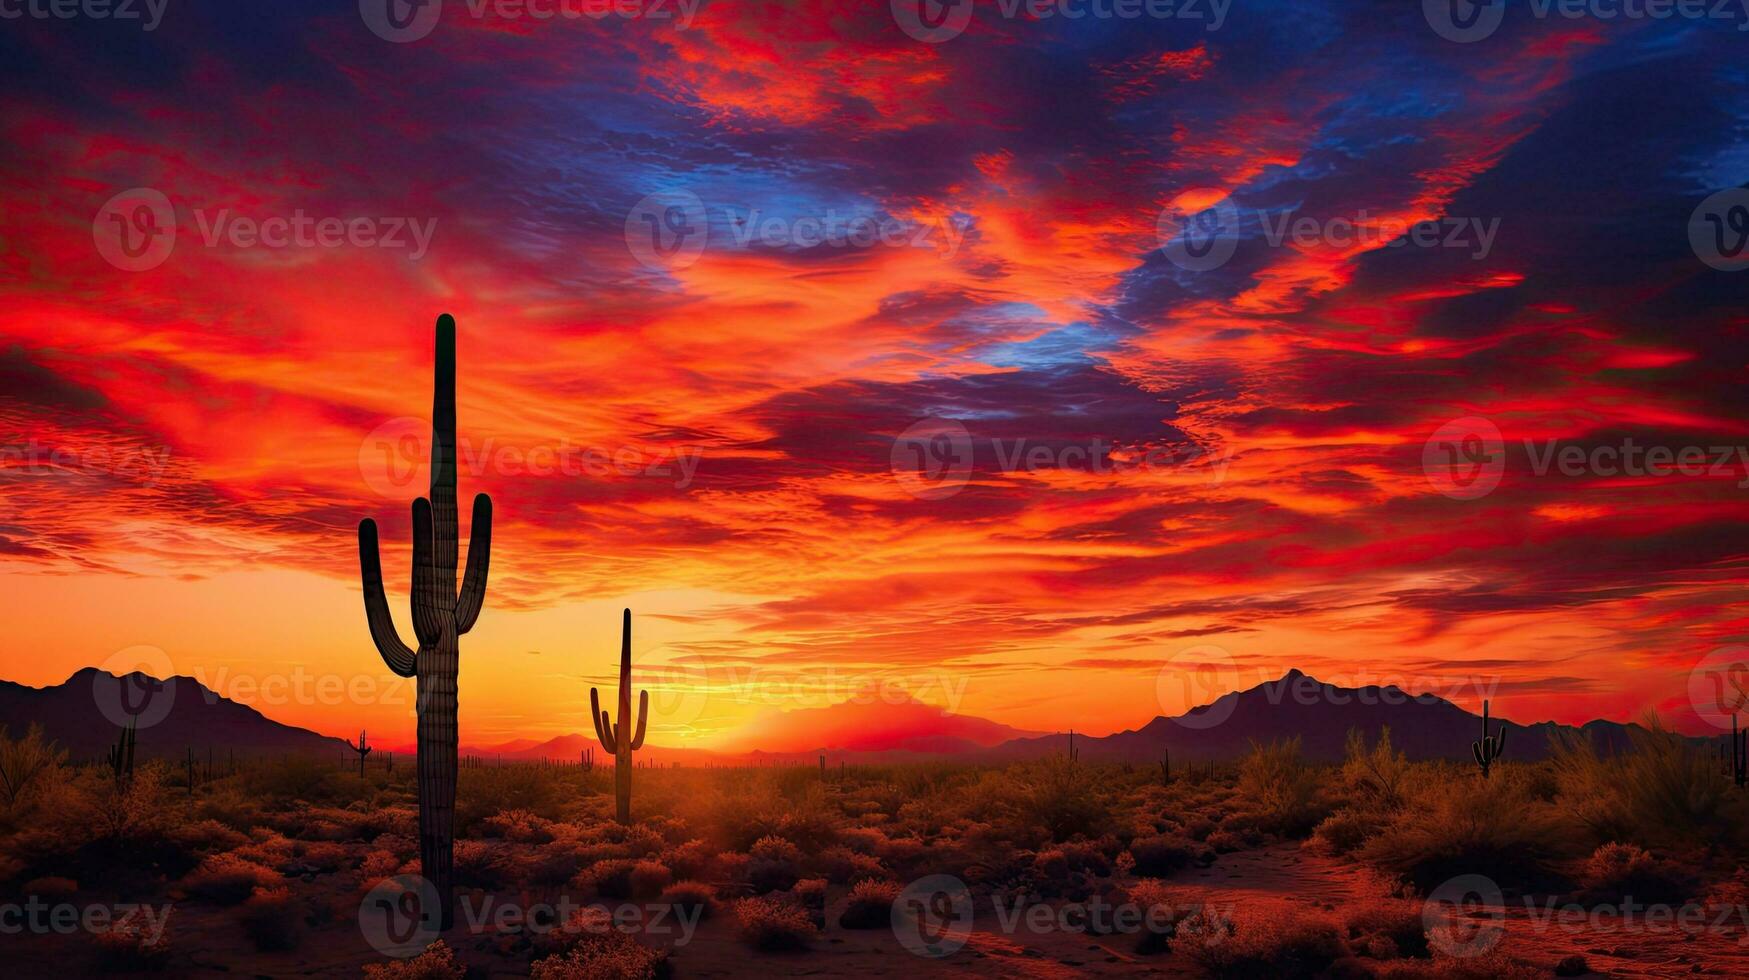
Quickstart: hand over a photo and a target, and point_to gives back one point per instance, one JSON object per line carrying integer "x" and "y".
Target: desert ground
{"x": 1265, "y": 866}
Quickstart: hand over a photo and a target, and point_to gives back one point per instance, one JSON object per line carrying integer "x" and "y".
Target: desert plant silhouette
{"x": 362, "y": 749}
{"x": 617, "y": 737}
{"x": 1489, "y": 749}
{"x": 440, "y": 616}
{"x": 121, "y": 755}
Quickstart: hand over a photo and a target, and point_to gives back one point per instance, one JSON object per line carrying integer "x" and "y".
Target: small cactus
{"x": 362, "y": 749}
{"x": 121, "y": 755}
{"x": 1166, "y": 768}
{"x": 619, "y": 737}
{"x": 588, "y": 760}
{"x": 1073, "y": 757}
{"x": 1490, "y": 748}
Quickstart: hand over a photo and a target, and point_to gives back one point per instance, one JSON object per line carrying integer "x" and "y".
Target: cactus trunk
{"x": 618, "y": 737}
{"x": 441, "y": 615}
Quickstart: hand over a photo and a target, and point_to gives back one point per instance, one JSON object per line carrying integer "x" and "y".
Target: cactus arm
{"x": 603, "y": 730}
{"x": 1476, "y": 747}
{"x": 473, "y": 594}
{"x": 1500, "y": 743}
{"x": 427, "y": 616}
{"x": 643, "y": 718}
{"x": 396, "y": 654}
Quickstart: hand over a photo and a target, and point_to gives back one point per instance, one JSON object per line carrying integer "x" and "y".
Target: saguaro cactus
{"x": 617, "y": 737}
{"x": 1489, "y": 749}
{"x": 1739, "y": 753}
{"x": 1072, "y": 756}
{"x": 121, "y": 755}
{"x": 362, "y": 749}
{"x": 1166, "y": 767}
{"x": 440, "y": 616}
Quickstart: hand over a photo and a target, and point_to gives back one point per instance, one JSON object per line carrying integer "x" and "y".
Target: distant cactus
{"x": 618, "y": 737}
{"x": 190, "y": 766}
{"x": 441, "y": 615}
{"x": 362, "y": 749}
{"x": 822, "y": 767}
{"x": 588, "y": 760}
{"x": 121, "y": 755}
{"x": 1739, "y": 753}
{"x": 1490, "y": 748}
{"x": 1072, "y": 756}
{"x": 1166, "y": 768}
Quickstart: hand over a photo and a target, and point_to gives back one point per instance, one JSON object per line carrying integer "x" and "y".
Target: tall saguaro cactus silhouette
{"x": 1489, "y": 749}
{"x": 617, "y": 737}
{"x": 440, "y": 616}
{"x": 363, "y": 749}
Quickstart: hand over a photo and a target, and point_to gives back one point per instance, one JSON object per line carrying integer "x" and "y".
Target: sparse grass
{"x": 774, "y": 925}
{"x": 871, "y": 905}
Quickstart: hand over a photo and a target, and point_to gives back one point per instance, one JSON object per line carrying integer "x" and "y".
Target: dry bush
{"x": 1158, "y": 857}
{"x": 272, "y": 920}
{"x": 611, "y": 878}
{"x": 690, "y": 897}
{"x": 688, "y": 860}
{"x": 648, "y": 878}
{"x": 135, "y": 942}
{"x": 1062, "y": 799}
{"x": 1385, "y": 926}
{"x": 773, "y": 925}
{"x": 519, "y": 826}
{"x": 1344, "y": 832}
{"x": 1666, "y": 791}
{"x": 1617, "y": 870}
{"x": 1280, "y": 790}
{"x": 1163, "y": 908}
{"x": 52, "y": 888}
{"x": 1262, "y": 940}
{"x": 481, "y": 864}
{"x": 871, "y": 905}
{"x": 1377, "y": 777}
{"x": 227, "y": 879}
{"x": 436, "y": 963}
{"x": 841, "y": 865}
{"x": 26, "y": 765}
{"x": 1492, "y": 827}
{"x": 609, "y": 955}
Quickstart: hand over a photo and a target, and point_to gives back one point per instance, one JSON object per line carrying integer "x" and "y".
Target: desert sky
{"x": 1176, "y": 480}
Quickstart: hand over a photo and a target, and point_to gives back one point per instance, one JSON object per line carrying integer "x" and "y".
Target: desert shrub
{"x": 609, "y": 955}
{"x": 1490, "y": 827}
{"x": 519, "y": 826}
{"x": 26, "y": 765}
{"x": 871, "y": 905}
{"x": 1063, "y": 799}
{"x": 648, "y": 878}
{"x": 1666, "y": 791}
{"x": 1344, "y": 832}
{"x": 1263, "y": 940}
{"x": 841, "y": 865}
{"x": 491, "y": 790}
{"x": 690, "y": 897}
{"x": 1376, "y": 776}
{"x": 730, "y": 867}
{"x": 436, "y": 963}
{"x": 271, "y": 920}
{"x": 1162, "y": 908}
{"x": 811, "y": 894}
{"x": 1280, "y": 789}
{"x": 1616, "y": 870}
{"x": 688, "y": 860}
{"x": 206, "y": 836}
{"x": 1385, "y": 926}
{"x": 226, "y": 879}
{"x": 1225, "y": 842}
{"x": 1158, "y": 857}
{"x": 294, "y": 777}
{"x": 773, "y": 925}
{"x": 135, "y": 941}
{"x": 480, "y": 864}
{"x": 610, "y": 879}
{"x": 1051, "y": 864}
